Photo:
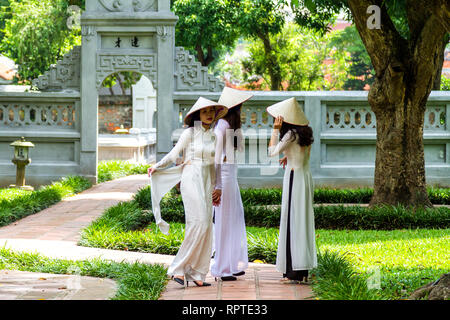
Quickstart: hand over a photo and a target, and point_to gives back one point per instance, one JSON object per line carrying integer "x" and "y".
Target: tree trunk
{"x": 400, "y": 161}
{"x": 438, "y": 75}
{"x": 205, "y": 61}
{"x": 405, "y": 71}
{"x": 272, "y": 64}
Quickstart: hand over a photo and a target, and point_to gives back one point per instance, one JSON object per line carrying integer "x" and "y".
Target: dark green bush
{"x": 326, "y": 217}
{"x": 335, "y": 279}
{"x": 356, "y": 217}
{"x": 31, "y": 202}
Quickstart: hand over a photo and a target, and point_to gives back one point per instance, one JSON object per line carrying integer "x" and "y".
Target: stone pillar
{"x": 165, "y": 105}
{"x": 89, "y": 103}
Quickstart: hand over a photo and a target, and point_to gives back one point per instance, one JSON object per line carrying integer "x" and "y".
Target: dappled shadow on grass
{"x": 399, "y": 282}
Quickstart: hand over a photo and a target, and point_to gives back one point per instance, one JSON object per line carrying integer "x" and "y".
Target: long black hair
{"x": 194, "y": 117}
{"x": 233, "y": 117}
{"x": 304, "y": 133}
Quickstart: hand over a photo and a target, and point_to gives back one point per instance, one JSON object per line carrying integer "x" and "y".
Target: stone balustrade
{"x": 344, "y": 126}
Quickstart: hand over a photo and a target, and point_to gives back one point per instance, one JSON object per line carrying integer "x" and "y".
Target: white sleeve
{"x": 172, "y": 156}
{"x": 219, "y": 131}
{"x": 281, "y": 145}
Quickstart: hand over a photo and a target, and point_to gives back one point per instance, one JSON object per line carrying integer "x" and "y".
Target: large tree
{"x": 259, "y": 19}
{"x": 299, "y": 52}
{"x": 407, "y": 55}
{"x": 360, "y": 72}
{"x": 205, "y": 27}
{"x": 36, "y": 35}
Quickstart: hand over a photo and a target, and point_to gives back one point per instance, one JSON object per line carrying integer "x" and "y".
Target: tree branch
{"x": 384, "y": 45}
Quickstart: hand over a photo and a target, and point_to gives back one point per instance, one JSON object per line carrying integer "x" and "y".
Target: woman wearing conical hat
{"x": 230, "y": 237}
{"x": 292, "y": 136}
{"x": 199, "y": 177}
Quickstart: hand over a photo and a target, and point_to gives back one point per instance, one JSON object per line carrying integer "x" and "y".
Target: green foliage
{"x": 335, "y": 279}
{"x": 318, "y": 14}
{"x": 356, "y": 217}
{"x": 348, "y": 40}
{"x": 37, "y": 35}
{"x": 445, "y": 83}
{"x": 16, "y": 204}
{"x": 5, "y": 14}
{"x": 406, "y": 258}
{"x": 262, "y": 209}
{"x": 129, "y": 78}
{"x": 298, "y": 53}
{"x": 113, "y": 169}
{"x": 136, "y": 281}
{"x": 205, "y": 27}
{"x": 258, "y": 18}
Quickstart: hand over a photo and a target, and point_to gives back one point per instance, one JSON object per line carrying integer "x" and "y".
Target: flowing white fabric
{"x": 198, "y": 179}
{"x": 162, "y": 182}
{"x": 302, "y": 231}
{"x": 230, "y": 237}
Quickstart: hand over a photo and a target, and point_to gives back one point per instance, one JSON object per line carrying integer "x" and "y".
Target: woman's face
{"x": 207, "y": 115}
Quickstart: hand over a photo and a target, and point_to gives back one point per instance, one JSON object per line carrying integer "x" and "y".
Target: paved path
{"x": 55, "y": 231}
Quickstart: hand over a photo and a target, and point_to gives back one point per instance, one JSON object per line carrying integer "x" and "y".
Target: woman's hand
{"x": 278, "y": 122}
{"x": 216, "y": 195}
{"x": 283, "y": 161}
{"x": 150, "y": 171}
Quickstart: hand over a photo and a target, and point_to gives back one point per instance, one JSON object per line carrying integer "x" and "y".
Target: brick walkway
{"x": 55, "y": 231}
{"x": 65, "y": 220}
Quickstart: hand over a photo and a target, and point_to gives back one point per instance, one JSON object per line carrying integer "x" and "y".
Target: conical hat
{"x": 202, "y": 103}
{"x": 290, "y": 111}
{"x": 231, "y": 97}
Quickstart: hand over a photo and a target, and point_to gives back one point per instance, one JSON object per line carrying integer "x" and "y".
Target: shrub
{"x": 16, "y": 204}
{"x": 335, "y": 279}
{"x": 326, "y": 217}
{"x": 113, "y": 169}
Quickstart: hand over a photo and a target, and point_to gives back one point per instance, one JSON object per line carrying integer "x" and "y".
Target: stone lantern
{"x": 21, "y": 159}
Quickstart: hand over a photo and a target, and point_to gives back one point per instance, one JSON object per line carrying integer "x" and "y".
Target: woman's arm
{"x": 172, "y": 156}
{"x": 219, "y": 131}
{"x": 275, "y": 145}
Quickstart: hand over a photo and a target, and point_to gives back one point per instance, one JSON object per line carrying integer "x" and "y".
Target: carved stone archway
{"x": 126, "y": 35}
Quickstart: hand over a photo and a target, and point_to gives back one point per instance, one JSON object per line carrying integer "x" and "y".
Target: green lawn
{"x": 136, "y": 281}
{"x": 406, "y": 259}
{"x": 16, "y": 204}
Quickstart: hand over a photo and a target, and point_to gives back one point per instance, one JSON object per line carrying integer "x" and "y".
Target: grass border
{"x": 30, "y": 202}
{"x": 135, "y": 281}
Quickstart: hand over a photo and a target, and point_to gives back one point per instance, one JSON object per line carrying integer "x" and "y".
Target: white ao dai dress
{"x": 299, "y": 189}
{"x": 198, "y": 180}
{"x": 230, "y": 237}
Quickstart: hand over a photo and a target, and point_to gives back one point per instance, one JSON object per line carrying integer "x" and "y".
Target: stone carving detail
{"x": 362, "y": 118}
{"x": 142, "y": 63}
{"x": 435, "y": 117}
{"x": 128, "y": 5}
{"x": 190, "y": 75}
{"x": 142, "y": 5}
{"x": 88, "y": 32}
{"x": 354, "y": 117}
{"x": 65, "y": 74}
{"x": 40, "y": 115}
{"x": 162, "y": 32}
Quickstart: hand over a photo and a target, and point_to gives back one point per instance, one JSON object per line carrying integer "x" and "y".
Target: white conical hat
{"x": 202, "y": 103}
{"x": 232, "y": 97}
{"x": 290, "y": 111}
